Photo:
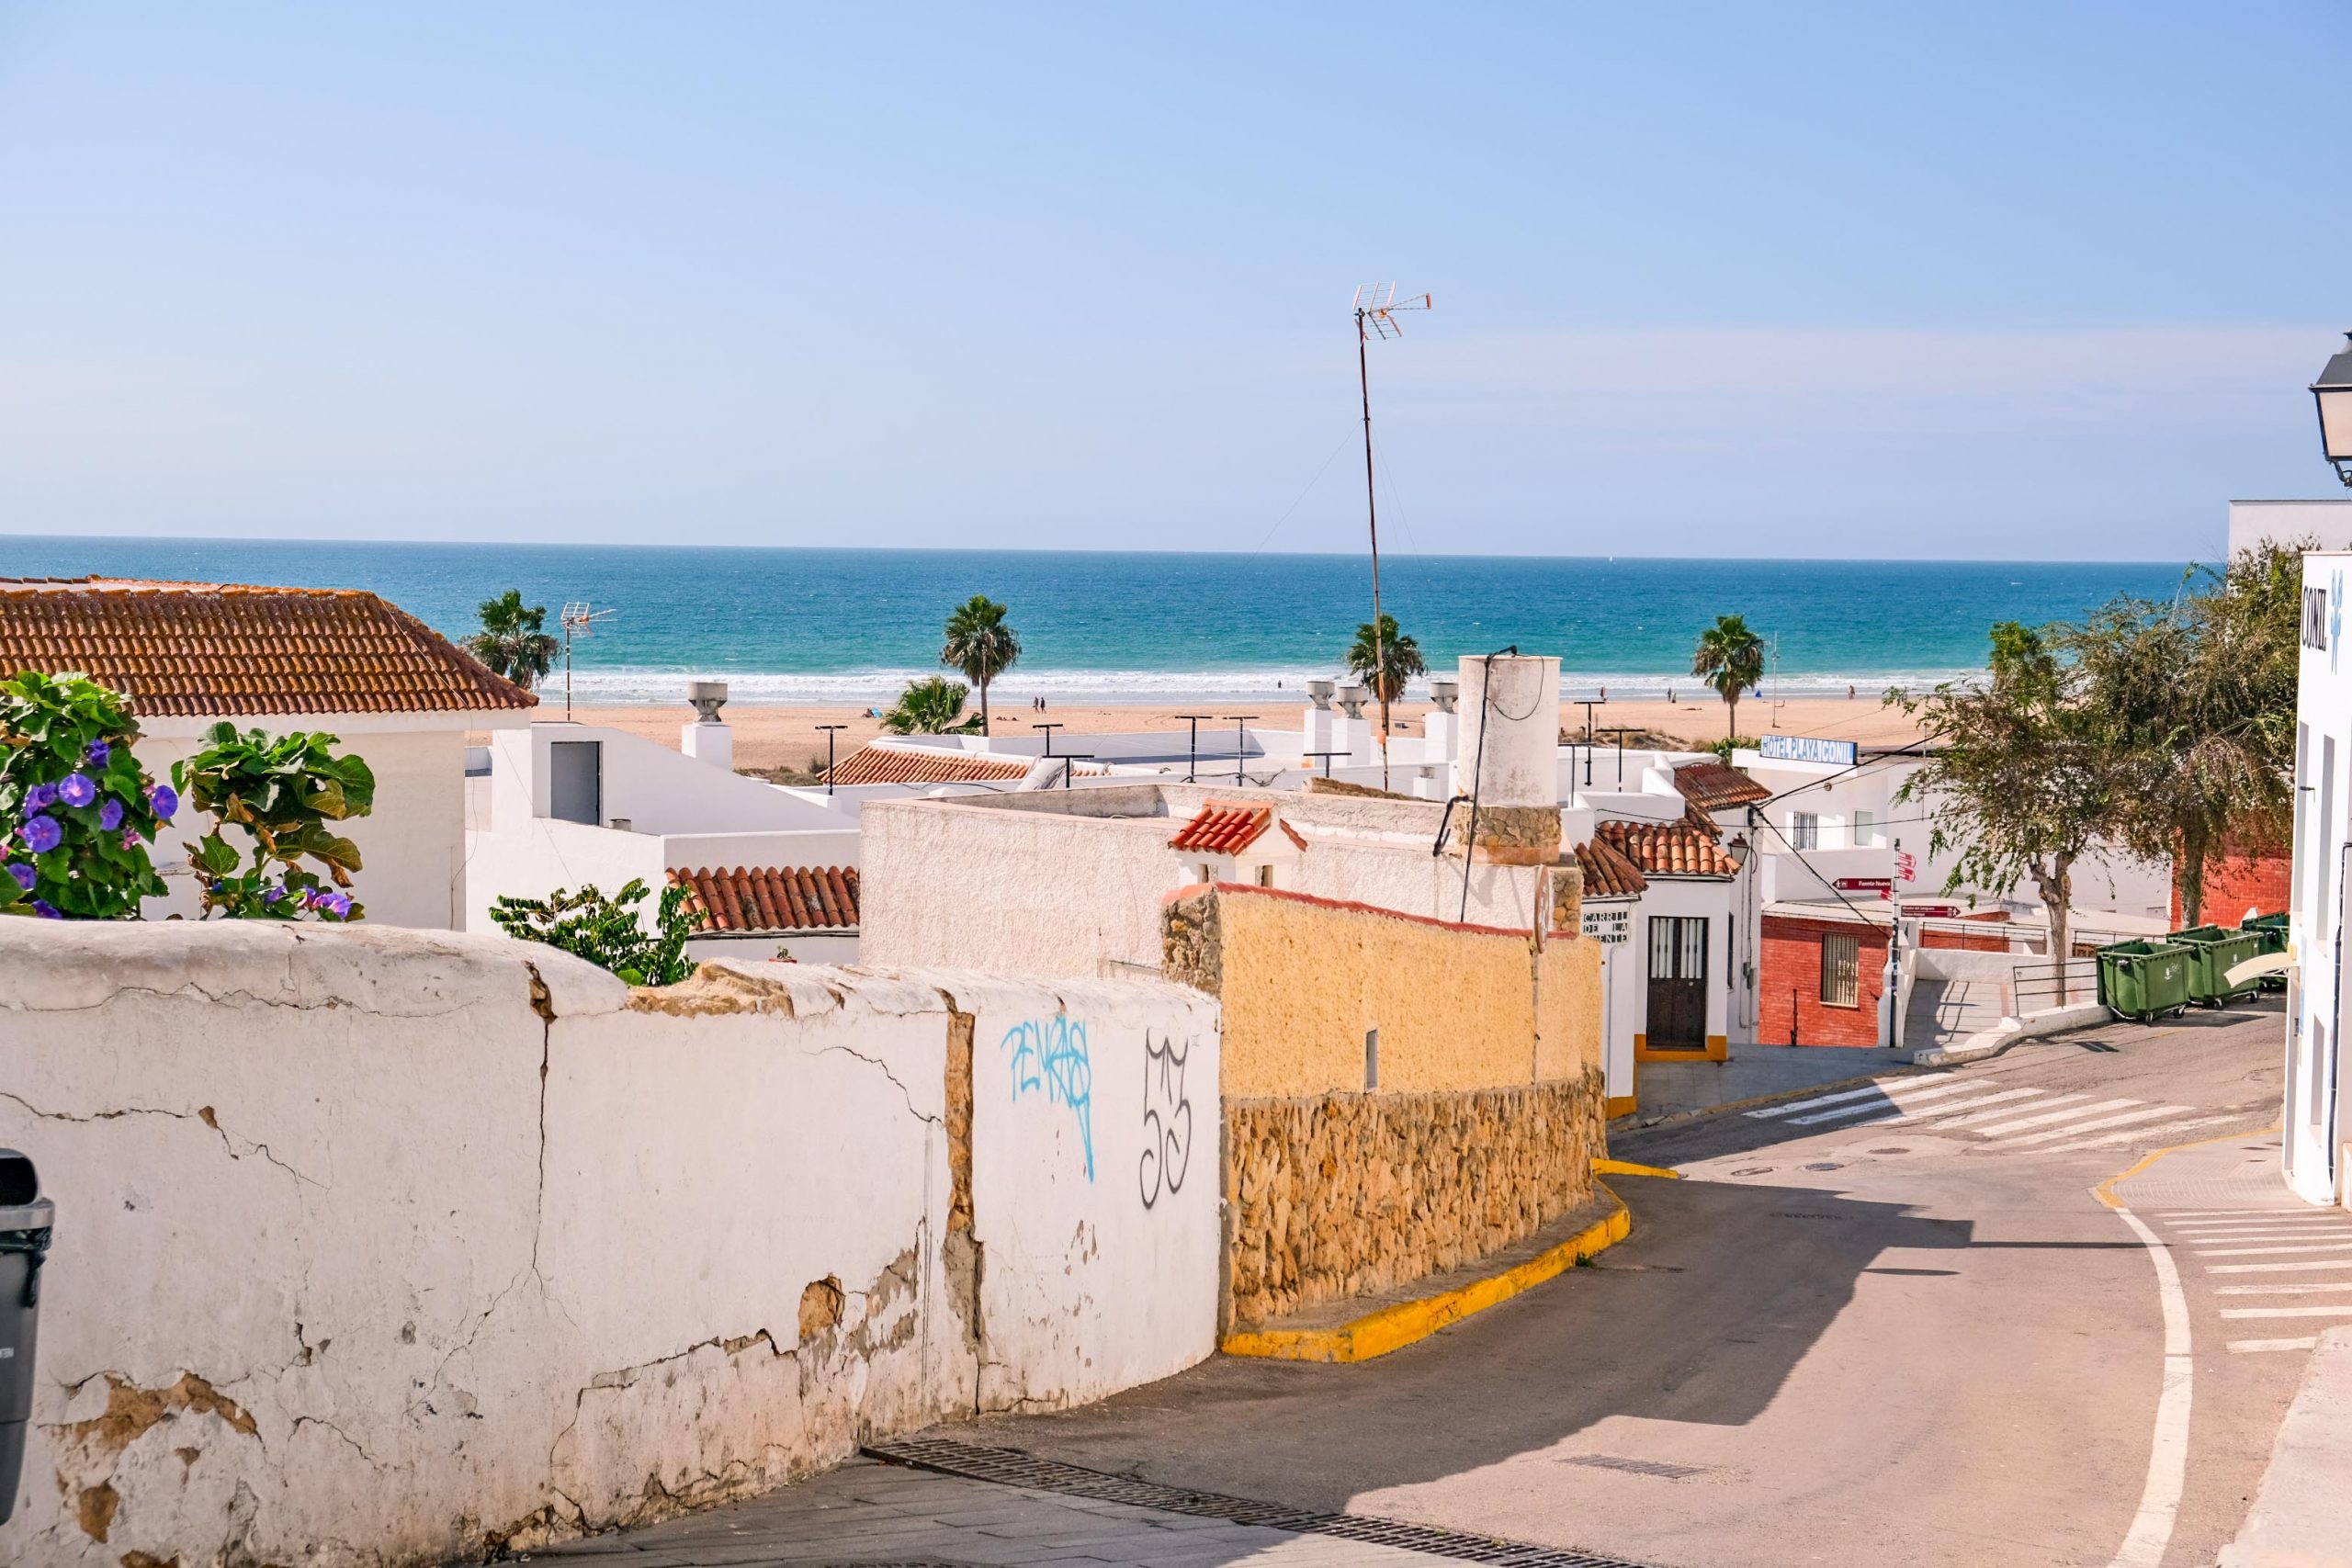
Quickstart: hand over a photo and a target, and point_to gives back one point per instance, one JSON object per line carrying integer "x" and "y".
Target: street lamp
{"x": 2333, "y": 392}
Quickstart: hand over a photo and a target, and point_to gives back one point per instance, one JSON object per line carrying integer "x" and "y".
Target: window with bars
{"x": 1841, "y": 971}
{"x": 1804, "y": 830}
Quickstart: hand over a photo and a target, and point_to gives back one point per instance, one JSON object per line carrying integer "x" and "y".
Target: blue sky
{"x": 2007, "y": 281}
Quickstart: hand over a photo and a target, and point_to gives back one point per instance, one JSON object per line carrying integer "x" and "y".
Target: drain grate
{"x": 1639, "y": 1466}
{"x": 1008, "y": 1468}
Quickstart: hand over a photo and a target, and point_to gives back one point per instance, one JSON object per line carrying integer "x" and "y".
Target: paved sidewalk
{"x": 871, "y": 1514}
{"x": 2301, "y": 1517}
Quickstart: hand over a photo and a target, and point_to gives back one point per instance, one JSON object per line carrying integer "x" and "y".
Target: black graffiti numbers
{"x": 1167, "y": 1120}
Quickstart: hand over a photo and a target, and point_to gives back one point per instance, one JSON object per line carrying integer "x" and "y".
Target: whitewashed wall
{"x": 382, "y": 1245}
{"x": 1095, "y": 1132}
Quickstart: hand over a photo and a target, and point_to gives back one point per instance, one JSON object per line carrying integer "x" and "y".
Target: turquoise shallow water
{"x": 840, "y": 624}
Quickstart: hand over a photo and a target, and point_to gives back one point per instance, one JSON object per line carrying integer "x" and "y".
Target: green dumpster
{"x": 2141, "y": 980}
{"x": 2212, "y": 950}
{"x": 2272, "y": 929}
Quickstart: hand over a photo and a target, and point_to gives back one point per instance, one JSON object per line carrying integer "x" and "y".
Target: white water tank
{"x": 1509, "y": 742}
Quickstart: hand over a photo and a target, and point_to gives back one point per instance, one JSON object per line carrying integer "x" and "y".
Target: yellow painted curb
{"x": 1394, "y": 1327}
{"x": 2105, "y": 1190}
{"x": 1627, "y": 1167}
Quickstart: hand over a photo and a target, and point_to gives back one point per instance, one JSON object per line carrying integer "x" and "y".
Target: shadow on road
{"x": 1719, "y": 1294}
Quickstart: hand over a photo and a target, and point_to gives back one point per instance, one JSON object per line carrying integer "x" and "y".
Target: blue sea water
{"x": 852, "y": 626}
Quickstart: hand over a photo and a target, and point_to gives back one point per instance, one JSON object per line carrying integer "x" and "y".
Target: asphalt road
{"x": 1904, "y": 1331}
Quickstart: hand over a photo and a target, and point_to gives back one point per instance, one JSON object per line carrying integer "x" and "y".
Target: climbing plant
{"x": 607, "y": 931}
{"x": 76, "y": 814}
{"x": 280, "y": 793}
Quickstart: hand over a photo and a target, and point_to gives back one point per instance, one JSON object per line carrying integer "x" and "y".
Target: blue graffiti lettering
{"x": 1050, "y": 1057}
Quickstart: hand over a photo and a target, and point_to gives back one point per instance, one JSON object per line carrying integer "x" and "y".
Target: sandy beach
{"x": 781, "y": 737}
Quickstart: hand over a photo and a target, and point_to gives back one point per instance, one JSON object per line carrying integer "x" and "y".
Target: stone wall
{"x": 1486, "y": 1113}
{"x": 386, "y": 1248}
{"x": 1353, "y": 1193}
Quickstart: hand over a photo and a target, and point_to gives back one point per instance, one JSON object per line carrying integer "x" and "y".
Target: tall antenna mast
{"x": 1376, "y": 307}
{"x": 579, "y": 618}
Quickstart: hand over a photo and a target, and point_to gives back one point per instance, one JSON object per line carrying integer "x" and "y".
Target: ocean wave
{"x": 618, "y": 686}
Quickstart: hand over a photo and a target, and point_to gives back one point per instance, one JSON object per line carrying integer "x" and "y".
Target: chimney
{"x": 1509, "y": 757}
{"x": 708, "y": 740}
{"x": 1444, "y": 726}
{"x": 1315, "y": 726}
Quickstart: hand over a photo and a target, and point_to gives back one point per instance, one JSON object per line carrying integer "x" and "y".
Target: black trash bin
{"x": 24, "y": 1218}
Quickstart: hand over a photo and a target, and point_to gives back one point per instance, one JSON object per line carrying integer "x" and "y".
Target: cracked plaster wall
{"x": 379, "y": 1245}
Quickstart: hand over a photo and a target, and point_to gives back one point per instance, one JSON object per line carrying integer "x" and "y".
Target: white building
{"x": 393, "y": 690}
{"x": 2317, "y": 1111}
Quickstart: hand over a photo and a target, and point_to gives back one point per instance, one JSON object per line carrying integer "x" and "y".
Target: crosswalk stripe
{"x": 2259, "y": 1218}
{"x": 2284, "y": 1231}
{"x": 2244, "y": 1345}
{"x": 1899, "y": 1101}
{"x": 2283, "y": 1289}
{"x": 2145, "y": 1115}
{"x": 1929, "y": 1113}
{"x": 2006, "y": 1112}
{"x": 1876, "y": 1086}
{"x": 2344, "y": 1311}
{"x": 2304, "y": 1214}
{"x": 2257, "y": 1251}
{"x": 2004, "y": 1129}
{"x": 2269, "y": 1268}
{"x": 2163, "y": 1129}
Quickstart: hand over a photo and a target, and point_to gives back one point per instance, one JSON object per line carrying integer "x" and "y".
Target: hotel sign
{"x": 1808, "y": 748}
{"x": 1608, "y": 926}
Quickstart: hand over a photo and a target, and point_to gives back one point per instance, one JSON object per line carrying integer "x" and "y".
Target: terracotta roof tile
{"x": 1224, "y": 828}
{"x": 1669, "y": 849}
{"x": 206, "y": 649}
{"x": 1712, "y": 786}
{"x": 771, "y": 898}
{"x": 890, "y": 765}
{"x": 1607, "y": 872}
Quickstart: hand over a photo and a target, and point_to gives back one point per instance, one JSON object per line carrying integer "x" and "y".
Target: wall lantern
{"x": 2333, "y": 392}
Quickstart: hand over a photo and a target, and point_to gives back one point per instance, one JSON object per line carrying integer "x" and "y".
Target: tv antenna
{"x": 1376, "y": 308}
{"x": 580, "y": 620}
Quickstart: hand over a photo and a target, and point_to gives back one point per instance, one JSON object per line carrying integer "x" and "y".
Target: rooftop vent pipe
{"x": 707, "y": 697}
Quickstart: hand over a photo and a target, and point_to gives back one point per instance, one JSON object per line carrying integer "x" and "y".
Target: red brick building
{"x": 1820, "y": 980}
{"x": 2236, "y": 883}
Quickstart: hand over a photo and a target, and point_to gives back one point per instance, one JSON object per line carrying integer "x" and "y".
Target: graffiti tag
{"x": 1050, "y": 1058}
{"x": 1167, "y": 1137}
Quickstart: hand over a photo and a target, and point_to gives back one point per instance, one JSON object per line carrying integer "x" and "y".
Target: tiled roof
{"x": 1607, "y": 872}
{"x": 890, "y": 765}
{"x": 202, "y": 650}
{"x": 1712, "y": 786}
{"x": 1669, "y": 849}
{"x": 1224, "y": 828}
{"x": 771, "y": 898}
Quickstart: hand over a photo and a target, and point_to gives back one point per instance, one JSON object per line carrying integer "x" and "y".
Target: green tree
{"x": 931, "y": 706}
{"x": 2021, "y": 775}
{"x": 607, "y": 932}
{"x": 1386, "y": 672}
{"x": 2197, "y": 700}
{"x": 1730, "y": 658}
{"x": 981, "y": 644}
{"x": 514, "y": 640}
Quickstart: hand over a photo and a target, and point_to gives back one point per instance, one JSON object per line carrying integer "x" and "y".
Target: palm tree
{"x": 980, "y": 645}
{"x": 1729, "y": 657}
{"x": 512, "y": 641}
{"x": 931, "y": 707}
{"x": 1399, "y": 660}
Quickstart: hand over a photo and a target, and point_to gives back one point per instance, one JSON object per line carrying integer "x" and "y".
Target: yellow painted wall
{"x": 1302, "y": 981}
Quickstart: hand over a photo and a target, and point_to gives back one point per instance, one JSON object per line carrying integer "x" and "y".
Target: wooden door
{"x": 1678, "y": 1004}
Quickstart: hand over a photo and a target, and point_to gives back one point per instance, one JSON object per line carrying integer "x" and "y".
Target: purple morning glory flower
{"x": 25, "y": 876}
{"x": 273, "y": 896}
{"x": 47, "y": 911}
{"x": 43, "y": 834}
{"x": 39, "y": 799}
{"x": 131, "y": 837}
{"x": 111, "y": 815}
{"x": 335, "y": 904}
{"x": 165, "y": 801}
{"x": 97, "y": 754}
{"x": 77, "y": 789}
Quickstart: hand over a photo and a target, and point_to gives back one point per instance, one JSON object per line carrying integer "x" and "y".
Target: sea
{"x": 784, "y": 625}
